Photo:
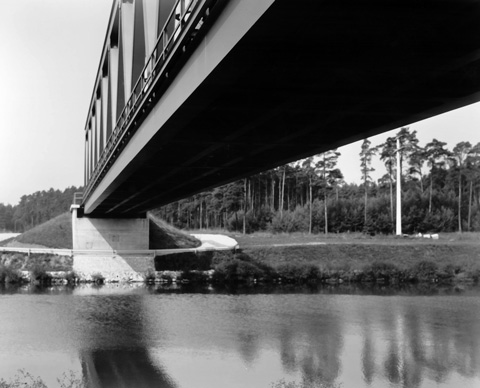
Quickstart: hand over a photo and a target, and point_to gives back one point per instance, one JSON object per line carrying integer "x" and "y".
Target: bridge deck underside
{"x": 304, "y": 80}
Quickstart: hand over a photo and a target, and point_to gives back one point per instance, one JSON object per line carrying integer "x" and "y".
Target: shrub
{"x": 298, "y": 273}
{"x": 72, "y": 277}
{"x": 98, "y": 278}
{"x": 193, "y": 276}
{"x": 290, "y": 221}
{"x": 9, "y": 275}
{"x": 220, "y": 257}
{"x": 381, "y": 270}
{"x": 39, "y": 274}
{"x": 237, "y": 270}
{"x": 166, "y": 277}
{"x": 424, "y": 270}
{"x": 184, "y": 261}
{"x": 150, "y": 275}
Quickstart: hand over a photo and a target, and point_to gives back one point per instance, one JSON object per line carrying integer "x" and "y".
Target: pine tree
{"x": 366, "y": 155}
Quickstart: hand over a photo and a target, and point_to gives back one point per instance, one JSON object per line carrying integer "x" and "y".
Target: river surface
{"x": 136, "y": 336}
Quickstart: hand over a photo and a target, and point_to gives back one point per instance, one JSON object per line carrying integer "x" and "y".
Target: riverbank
{"x": 281, "y": 259}
{"x": 357, "y": 258}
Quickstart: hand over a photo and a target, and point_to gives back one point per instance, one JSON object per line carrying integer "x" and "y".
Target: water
{"x": 126, "y": 336}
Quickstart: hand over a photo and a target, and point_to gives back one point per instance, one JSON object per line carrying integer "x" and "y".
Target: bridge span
{"x": 191, "y": 94}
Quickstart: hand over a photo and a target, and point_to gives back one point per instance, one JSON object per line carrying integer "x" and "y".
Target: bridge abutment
{"x": 108, "y": 233}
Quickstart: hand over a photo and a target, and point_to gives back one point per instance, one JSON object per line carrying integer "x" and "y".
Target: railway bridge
{"x": 192, "y": 94}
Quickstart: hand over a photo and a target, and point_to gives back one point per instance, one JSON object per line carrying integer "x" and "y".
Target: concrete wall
{"x": 109, "y": 234}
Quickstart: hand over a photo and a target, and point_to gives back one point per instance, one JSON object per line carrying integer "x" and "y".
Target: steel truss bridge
{"x": 191, "y": 94}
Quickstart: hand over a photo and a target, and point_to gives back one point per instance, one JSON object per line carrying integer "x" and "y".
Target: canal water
{"x": 138, "y": 336}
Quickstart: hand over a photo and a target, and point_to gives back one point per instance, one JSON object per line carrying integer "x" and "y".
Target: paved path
{"x": 218, "y": 241}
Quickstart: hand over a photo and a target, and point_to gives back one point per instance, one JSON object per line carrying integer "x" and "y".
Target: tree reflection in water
{"x": 397, "y": 340}
{"x": 423, "y": 341}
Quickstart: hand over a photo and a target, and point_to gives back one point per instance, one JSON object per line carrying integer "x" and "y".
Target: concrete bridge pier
{"x": 108, "y": 233}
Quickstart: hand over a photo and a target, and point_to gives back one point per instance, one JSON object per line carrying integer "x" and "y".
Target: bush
{"x": 166, "y": 278}
{"x": 221, "y": 256}
{"x": 39, "y": 274}
{"x": 186, "y": 261}
{"x": 381, "y": 270}
{"x": 98, "y": 278}
{"x": 237, "y": 270}
{"x": 424, "y": 270}
{"x": 193, "y": 276}
{"x": 150, "y": 275}
{"x": 9, "y": 275}
{"x": 290, "y": 221}
{"x": 72, "y": 277}
{"x": 299, "y": 273}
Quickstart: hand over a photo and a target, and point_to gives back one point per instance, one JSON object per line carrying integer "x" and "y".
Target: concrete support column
{"x": 128, "y": 234}
{"x": 74, "y": 210}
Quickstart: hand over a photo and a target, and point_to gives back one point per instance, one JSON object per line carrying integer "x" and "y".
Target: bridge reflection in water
{"x": 105, "y": 368}
{"x": 114, "y": 351}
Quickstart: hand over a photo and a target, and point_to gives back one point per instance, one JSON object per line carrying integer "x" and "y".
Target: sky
{"x": 452, "y": 127}
{"x": 49, "y": 55}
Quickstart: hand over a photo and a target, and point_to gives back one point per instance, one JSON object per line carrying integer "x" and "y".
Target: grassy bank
{"x": 344, "y": 258}
{"x": 280, "y": 258}
{"x": 18, "y": 267}
{"x": 57, "y": 233}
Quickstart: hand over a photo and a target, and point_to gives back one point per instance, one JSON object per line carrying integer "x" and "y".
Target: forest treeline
{"x": 440, "y": 191}
{"x": 35, "y": 209}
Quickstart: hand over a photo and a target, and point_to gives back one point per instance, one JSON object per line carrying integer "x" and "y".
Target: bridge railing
{"x": 108, "y": 252}
{"x": 184, "y": 22}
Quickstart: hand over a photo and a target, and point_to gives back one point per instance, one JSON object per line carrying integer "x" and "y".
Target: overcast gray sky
{"x": 50, "y": 50}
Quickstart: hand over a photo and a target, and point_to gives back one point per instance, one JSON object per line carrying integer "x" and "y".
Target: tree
{"x": 327, "y": 166}
{"x": 387, "y": 155}
{"x": 460, "y": 154}
{"x": 473, "y": 174}
{"x": 436, "y": 156}
{"x": 310, "y": 173}
{"x": 366, "y": 155}
{"x": 410, "y": 151}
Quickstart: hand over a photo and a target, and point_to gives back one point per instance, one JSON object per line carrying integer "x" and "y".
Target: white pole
{"x": 399, "y": 190}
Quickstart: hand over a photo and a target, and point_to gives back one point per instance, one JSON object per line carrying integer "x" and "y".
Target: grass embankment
{"x": 346, "y": 258}
{"x": 57, "y": 233}
{"x": 16, "y": 267}
{"x": 165, "y": 236}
